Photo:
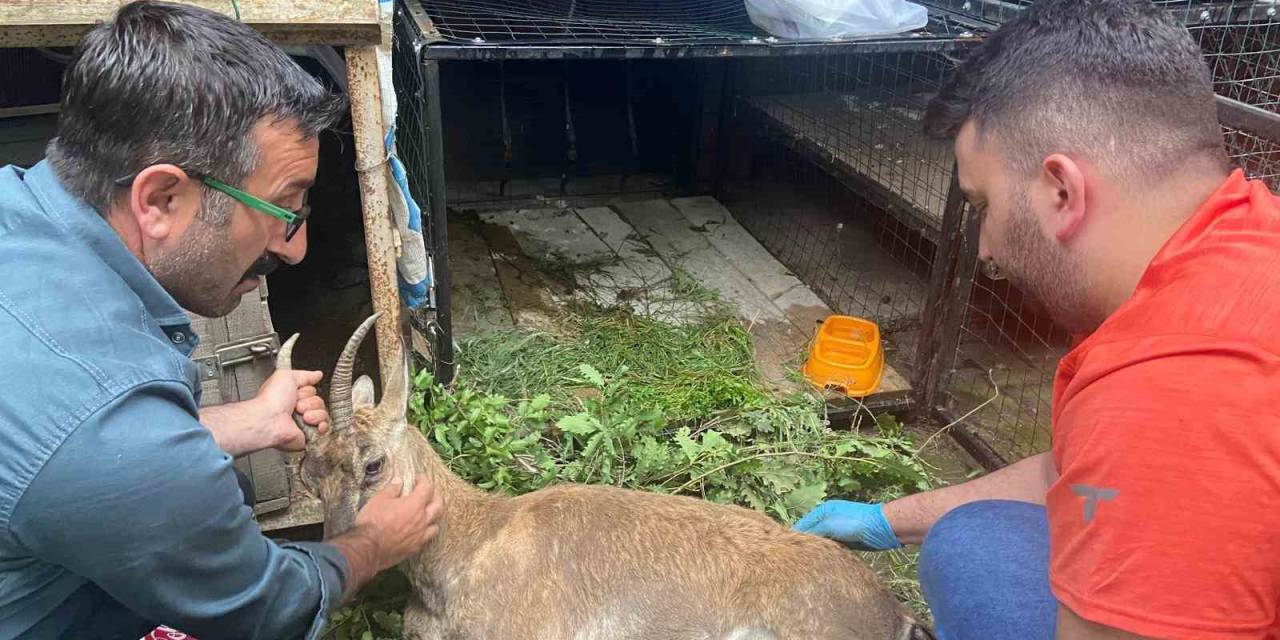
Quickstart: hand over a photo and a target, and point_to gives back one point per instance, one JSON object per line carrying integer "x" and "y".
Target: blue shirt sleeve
{"x": 140, "y": 501}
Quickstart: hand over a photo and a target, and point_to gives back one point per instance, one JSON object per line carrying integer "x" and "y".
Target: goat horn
{"x": 284, "y": 360}
{"x": 340, "y": 411}
{"x": 284, "y": 357}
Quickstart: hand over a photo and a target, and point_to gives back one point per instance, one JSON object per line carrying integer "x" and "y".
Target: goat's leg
{"x": 421, "y": 624}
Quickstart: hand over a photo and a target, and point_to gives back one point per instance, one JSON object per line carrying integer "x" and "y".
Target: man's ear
{"x": 1061, "y": 196}
{"x": 162, "y": 199}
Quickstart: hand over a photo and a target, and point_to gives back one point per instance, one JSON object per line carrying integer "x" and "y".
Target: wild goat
{"x": 587, "y": 562}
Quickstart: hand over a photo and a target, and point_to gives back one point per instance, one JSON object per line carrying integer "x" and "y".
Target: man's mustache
{"x": 262, "y": 267}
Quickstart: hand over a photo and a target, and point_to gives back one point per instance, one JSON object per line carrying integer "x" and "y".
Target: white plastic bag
{"x": 824, "y": 19}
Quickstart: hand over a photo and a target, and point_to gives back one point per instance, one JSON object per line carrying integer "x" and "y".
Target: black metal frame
{"x": 951, "y": 278}
{"x": 429, "y": 48}
{"x": 991, "y": 13}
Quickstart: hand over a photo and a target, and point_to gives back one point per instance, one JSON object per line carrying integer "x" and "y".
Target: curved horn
{"x": 284, "y": 360}
{"x": 340, "y": 411}
{"x": 284, "y": 357}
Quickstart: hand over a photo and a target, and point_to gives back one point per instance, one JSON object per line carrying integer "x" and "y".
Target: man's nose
{"x": 292, "y": 251}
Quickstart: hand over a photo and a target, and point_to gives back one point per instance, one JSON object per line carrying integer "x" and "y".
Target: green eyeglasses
{"x": 293, "y": 219}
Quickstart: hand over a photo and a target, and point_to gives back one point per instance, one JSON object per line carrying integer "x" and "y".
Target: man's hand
{"x": 404, "y": 524}
{"x": 287, "y": 392}
{"x": 388, "y": 530}
{"x": 266, "y": 421}
{"x": 856, "y": 524}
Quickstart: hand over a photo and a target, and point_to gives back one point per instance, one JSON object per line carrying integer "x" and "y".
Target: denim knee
{"x": 984, "y": 570}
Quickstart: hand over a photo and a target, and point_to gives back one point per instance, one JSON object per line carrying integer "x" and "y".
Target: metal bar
{"x": 1248, "y": 118}
{"x": 380, "y": 235}
{"x": 722, "y": 127}
{"x": 989, "y": 13}
{"x": 589, "y": 51}
{"x": 571, "y": 136}
{"x": 881, "y": 194}
{"x": 507, "y": 153}
{"x": 439, "y": 223}
{"x": 29, "y": 110}
{"x": 426, "y": 29}
{"x": 960, "y": 290}
{"x": 931, "y": 360}
{"x": 631, "y": 114}
{"x": 973, "y": 444}
{"x": 1207, "y": 13}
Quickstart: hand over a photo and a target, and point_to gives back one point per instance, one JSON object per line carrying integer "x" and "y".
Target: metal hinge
{"x": 235, "y": 353}
{"x": 431, "y": 278}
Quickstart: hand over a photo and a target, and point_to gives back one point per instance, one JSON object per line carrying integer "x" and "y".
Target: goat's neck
{"x": 471, "y": 516}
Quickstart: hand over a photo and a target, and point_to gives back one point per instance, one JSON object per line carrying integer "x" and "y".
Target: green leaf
{"x": 580, "y": 424}
{"x": 782, "y": 478}
{"x": 367, "y": 635}
{"x": 688, "y": 447}
{"x": 592, "y": 375}
{"x": 712, "y": 440}
{"x": 540, "y": 402}
{"x": 806, "y": 497}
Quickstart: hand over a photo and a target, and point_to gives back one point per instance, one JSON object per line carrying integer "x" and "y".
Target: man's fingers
{"x": 294, "y": 444}
{"x": 314, "y": 403}
{"x": 307, "y": 392}
{"x": 435, "y": 507}
{"x": 430, "y": 534}
{"x": 422, "y": 490}
{"x": 393, "y": 489}
{"x": 316, "y": 417}
{"x": 811, "y": 520}
{"x": 307, "y": 378}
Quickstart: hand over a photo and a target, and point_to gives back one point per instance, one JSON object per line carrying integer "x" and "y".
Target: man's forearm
{"x": 362, "y": 553}
{"x": 1026, "y": 480}
{"x": 231, "y": 426}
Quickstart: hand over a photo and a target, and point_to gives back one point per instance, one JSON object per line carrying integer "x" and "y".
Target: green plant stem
{"x": 775, "y": 454}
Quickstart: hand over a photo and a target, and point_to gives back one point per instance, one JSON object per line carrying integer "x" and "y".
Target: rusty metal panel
{"x": 57, "y": 23}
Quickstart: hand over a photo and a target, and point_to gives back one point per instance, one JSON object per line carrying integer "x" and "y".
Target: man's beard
{"x": 201, "y": 273}
{"x": 1044, "y": 272}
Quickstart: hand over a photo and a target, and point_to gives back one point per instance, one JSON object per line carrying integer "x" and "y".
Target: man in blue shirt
{"x": 185, "y": 147}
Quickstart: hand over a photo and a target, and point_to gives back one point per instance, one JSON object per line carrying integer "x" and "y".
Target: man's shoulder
{"x": 73, "y": 339}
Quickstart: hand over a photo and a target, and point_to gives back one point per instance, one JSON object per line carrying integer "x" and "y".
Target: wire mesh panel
{"x": 550, "y": 21}
{"x": 646, "y": 23}
{"x": 828, "y": 167}
{"x": 999, "y": 382}
{"x": 1001, "y": 376}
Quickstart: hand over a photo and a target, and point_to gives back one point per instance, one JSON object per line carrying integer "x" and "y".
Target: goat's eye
{"x": 373, "y": 467}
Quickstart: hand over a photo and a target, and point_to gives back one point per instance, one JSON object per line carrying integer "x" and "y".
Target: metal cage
{"x": 818, "y": 150}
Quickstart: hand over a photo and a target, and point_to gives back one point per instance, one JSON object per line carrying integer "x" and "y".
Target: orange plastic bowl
{"x": 846, "y": 355}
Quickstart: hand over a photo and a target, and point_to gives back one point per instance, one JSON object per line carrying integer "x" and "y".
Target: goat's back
{"x": 615, "y": 563}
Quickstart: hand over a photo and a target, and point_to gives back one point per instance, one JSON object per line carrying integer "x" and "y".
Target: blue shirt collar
{"x": 83, "y": 223}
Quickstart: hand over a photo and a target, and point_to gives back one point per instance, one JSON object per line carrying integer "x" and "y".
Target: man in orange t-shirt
{"x": 1086, "y": 135}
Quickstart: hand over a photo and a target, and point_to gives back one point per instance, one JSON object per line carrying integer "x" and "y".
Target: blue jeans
{"x": 984, "y": 570}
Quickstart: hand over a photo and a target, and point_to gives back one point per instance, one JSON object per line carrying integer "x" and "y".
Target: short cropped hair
{"x": 1119, "y": 81}
{"x": 173, "y": 83}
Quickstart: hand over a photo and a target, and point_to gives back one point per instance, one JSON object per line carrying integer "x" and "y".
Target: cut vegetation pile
{"x": 619, "y": 399}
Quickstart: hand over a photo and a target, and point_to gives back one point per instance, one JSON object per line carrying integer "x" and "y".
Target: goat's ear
{"x": 362, "y": 393}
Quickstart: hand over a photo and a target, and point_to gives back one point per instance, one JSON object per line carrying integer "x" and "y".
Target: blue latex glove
{"x": 856, "y": 524}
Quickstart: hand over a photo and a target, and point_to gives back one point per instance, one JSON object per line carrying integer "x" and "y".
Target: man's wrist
{"x": 239, "y": 428}
{"x": 364, "y": 557}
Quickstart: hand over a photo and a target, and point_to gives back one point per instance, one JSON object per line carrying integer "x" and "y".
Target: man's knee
{"x": 984, "y": 571}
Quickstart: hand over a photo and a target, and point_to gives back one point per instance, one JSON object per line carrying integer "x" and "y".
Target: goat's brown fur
{"x": 577, "y": 562}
